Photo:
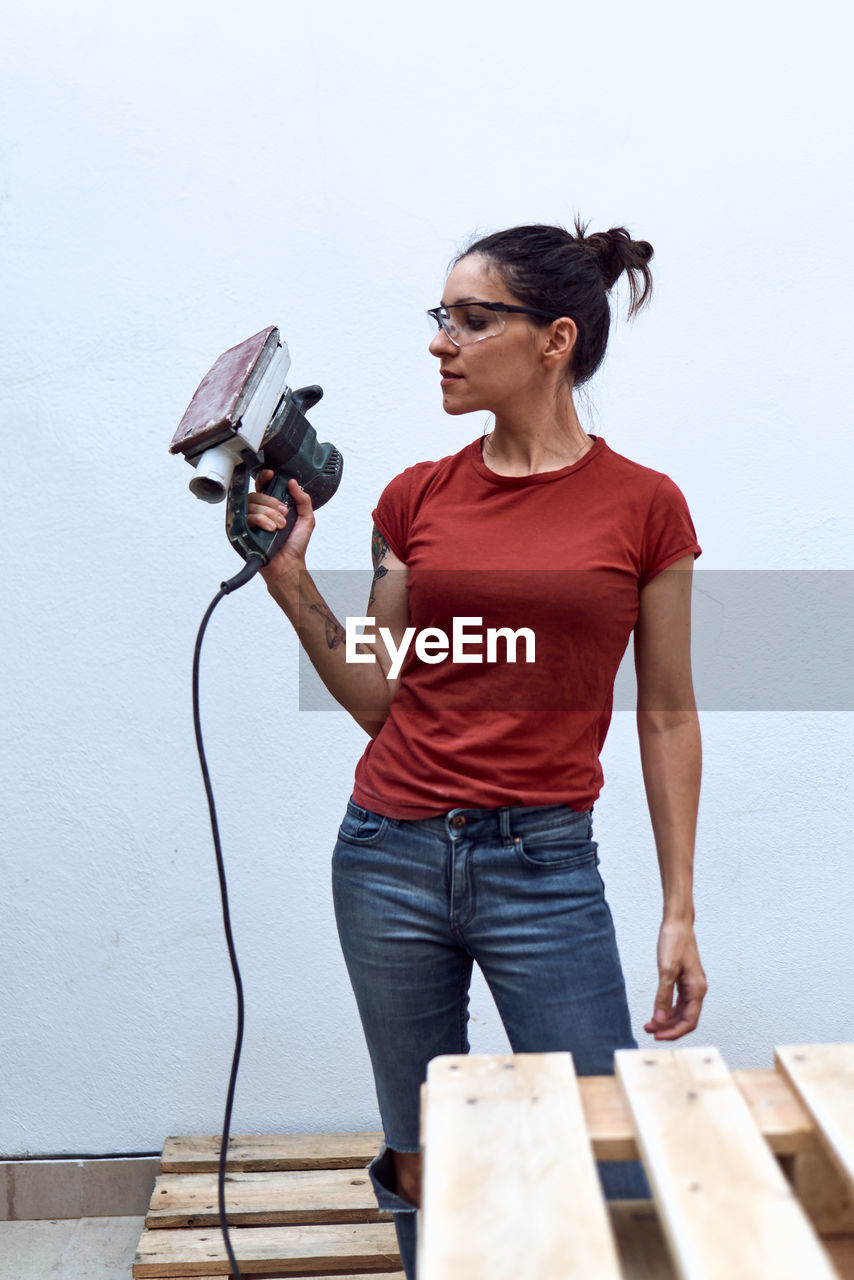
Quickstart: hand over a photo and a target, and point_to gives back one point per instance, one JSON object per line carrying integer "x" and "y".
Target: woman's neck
{"x": 540, "y": 442}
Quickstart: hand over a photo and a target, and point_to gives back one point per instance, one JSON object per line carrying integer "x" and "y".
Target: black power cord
{"x": 253, "y": 564}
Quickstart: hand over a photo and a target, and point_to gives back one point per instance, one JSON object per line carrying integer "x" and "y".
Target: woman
{"x": 469, "y": 834}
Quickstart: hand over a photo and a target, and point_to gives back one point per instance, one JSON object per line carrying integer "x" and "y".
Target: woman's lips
{"x": 447, "y": 376}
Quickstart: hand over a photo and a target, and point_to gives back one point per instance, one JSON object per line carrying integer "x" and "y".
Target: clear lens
{"x": 468, "y": 323}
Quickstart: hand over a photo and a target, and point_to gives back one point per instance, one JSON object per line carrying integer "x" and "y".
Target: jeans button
{"x": 458, "y": 820}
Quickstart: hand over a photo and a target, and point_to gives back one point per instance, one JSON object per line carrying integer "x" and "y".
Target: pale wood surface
{"x": 644, "y": 1254}
{"x": 608, "y": 1119}
{"x": 257, "y": 1153}
{"x": 777, "y": 1112}
{"x": 823, "y": 1077}
{"x": 264, "y": 1199}
{"x": 726, "y": 1208}
{"x": 642, "y": 1246}
{"x": 283, "y": 1250}
{"x": 510, "y": 1186}
{"x": 823, "y": 1191}
{"x": 298, "y": 1182}
{"x": 776, "y": 1109}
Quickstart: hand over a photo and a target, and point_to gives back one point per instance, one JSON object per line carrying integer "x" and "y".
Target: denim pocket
{"x": 558, "y": 846}
{"x": 362, "y": 826}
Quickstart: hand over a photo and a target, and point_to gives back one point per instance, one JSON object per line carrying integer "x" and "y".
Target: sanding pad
{"x": 215, "y": 411}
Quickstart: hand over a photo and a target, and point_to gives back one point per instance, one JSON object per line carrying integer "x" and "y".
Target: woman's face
{"x": 498, "y": 372}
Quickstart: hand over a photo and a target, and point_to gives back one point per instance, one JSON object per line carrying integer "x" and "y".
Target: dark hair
{"x": 570, "y": 275}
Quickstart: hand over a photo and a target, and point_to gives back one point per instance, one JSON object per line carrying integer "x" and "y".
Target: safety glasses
{"x": 469, "y": 322}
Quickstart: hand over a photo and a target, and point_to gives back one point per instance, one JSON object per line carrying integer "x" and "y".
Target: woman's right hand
{"x": 265, "y": 512}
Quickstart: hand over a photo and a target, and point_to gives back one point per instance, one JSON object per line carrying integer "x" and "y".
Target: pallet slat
{"x": 264, "y": 1152}
{"x": 301, "y": 1204}
{"x": 777, "y": 1112}
{"x": 823, "y": 1077}
{"x": 288, "y": 1251}
{"x": 264, "y": 1199}
{"x": 725, "y": 1206}
{"x": 644, "y": 1254}
{"x": 510, "y": 1187}
{"x": 776, "y": 1109}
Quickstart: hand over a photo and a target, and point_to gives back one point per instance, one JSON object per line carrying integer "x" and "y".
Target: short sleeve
{"x": 392, "y": 513}
{"x": 669, "y": 532}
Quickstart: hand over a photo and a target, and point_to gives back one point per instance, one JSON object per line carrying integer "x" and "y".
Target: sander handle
{"x": 254, "y": 542}
{"x": 290, "y": 448}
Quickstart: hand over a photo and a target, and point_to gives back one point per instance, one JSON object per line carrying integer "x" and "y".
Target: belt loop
{"x": 504, "y": 823}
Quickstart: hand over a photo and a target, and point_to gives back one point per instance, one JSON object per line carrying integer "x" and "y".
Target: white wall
{"x": 178, "y": 176}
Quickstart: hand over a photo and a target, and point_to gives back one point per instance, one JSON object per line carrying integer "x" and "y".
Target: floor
{"x": 69, "y": 1249}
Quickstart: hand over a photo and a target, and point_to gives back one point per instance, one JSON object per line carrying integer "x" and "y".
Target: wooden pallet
{"x": 299, "y": 1204}
{"x": 510, "y": 1187}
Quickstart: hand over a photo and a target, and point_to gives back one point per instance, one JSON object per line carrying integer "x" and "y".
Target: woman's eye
{"x": 475, "y": 320}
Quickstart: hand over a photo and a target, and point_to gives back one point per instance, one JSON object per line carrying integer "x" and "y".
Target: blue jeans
{"x": 517, "y": 890}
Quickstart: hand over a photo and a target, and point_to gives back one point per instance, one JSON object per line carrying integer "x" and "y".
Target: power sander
{"x": 244, "y": 418}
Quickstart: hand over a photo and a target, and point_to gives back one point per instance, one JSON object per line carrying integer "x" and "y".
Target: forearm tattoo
{"x": 379, "y": 550}
{"x": 334, "y": 631}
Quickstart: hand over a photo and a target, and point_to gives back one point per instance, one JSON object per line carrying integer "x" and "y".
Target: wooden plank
{"x": 776, "y": 1109}
{"x": 608, "y": 1119}
{"x": 285, "y": 1251}
{"x": 726, "y": 1208}
{"x": 823, "y": 1077}
{"x": 823, "y": 1191}
{"x": 777, "y": 1112}
{"x": 257, "y": 1153}
{"x": 264, "y": 1199}
{"x": 641, "y": 1242}
{"x": 510, "y": 1188}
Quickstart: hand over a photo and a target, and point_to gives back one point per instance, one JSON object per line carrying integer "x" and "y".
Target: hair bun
{"x": 617, "y": 252}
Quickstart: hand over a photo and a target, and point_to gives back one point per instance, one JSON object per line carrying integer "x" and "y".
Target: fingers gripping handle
{"x": 278, "y": 489}
{"x": 254, "y": 542}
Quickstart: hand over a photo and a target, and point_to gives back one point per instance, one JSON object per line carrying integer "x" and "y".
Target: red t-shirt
{"x": 562, "y": 554}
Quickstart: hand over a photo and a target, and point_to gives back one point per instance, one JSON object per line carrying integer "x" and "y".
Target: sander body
{"x": 244, "y": 418}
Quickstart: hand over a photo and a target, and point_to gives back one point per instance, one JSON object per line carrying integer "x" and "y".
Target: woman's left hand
{"x": 681, "y": 983}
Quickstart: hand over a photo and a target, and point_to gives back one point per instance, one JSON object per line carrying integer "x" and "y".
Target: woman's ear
{"x": 562, "y": 336}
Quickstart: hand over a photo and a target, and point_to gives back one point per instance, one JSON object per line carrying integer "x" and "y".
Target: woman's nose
{"x": 441, "y": 345}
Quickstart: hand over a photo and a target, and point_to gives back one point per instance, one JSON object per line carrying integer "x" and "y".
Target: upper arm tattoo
{"x": 379, "y": 550}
